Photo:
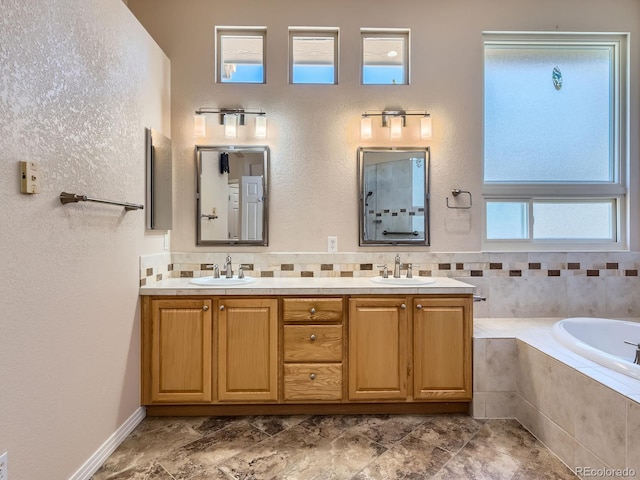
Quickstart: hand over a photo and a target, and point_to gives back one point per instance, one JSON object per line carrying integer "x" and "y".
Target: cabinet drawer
{"x": 312, "y": 309}
{"x": 311, "y": 381}
{"x": 313, "y": 343}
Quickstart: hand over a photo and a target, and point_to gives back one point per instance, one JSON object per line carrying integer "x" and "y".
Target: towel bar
{"x": 75, "y": 198}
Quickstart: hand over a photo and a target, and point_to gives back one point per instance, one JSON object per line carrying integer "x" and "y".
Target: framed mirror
{"x": 394, "y": 196}
{"x": 232, "y": 199}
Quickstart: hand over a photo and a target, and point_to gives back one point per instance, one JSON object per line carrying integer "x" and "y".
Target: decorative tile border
{"x": 460, "y": 265}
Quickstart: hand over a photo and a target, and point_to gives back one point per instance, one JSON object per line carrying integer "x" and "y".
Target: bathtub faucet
{"x": 637, "y": 345}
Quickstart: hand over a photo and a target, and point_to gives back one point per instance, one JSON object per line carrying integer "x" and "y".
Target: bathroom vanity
{"x": 306, "y": 345}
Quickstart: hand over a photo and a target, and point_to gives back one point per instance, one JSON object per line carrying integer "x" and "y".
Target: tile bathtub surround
{"x": 587, "y": 415}
{"x": 358, "y": 447}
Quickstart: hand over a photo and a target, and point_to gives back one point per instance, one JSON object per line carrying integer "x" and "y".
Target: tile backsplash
{"x": 534, "y": 284}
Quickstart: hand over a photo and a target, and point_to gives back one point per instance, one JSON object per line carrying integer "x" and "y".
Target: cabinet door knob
{"x": 312, "y": 337}
{"x": 403, "y": 306}
{"x": 313, "y": 310}
{"x": 205, "y": 307}
{"x": 221, "y": 307}
{"x": 312, "y": 376}
{"x": 419, "y": 307}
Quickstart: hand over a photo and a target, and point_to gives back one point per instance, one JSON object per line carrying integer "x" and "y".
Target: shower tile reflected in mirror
{"x": 393, "y": 196}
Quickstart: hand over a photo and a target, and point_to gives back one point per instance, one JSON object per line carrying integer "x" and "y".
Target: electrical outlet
{"x": 166, "y": 246}
{"x": 332, "y": 244}
{"x": 4, "y": 472}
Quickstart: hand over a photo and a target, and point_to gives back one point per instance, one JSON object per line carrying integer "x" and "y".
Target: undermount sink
{"x": 223, "y": 281}
{"x": 403, "y": 280}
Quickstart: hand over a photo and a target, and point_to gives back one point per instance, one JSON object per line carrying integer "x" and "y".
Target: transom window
{"x": 240, "y": 53}
{"x": 554, "y": 140}
{"x": 313, "y": 55}
{"x": 385, "y": 56}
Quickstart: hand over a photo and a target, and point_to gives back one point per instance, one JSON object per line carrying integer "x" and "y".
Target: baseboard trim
{"x": 107, "y": 448}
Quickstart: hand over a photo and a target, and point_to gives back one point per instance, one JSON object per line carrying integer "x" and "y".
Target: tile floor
{"x": 357, "y": 447}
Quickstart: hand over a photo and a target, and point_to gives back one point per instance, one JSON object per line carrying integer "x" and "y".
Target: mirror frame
{"x": 361, "y": 196}
{"x": 264, "y": 150}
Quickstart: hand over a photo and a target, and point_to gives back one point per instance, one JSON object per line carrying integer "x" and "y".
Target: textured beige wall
{"x": 79, "y": 81}
{"x": 314, "y": 130}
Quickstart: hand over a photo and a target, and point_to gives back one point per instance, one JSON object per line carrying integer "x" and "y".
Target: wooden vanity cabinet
{"x": 312, "y": 349}
{"x": 177, "y": 355}
{"x": 255, "y": 355}
{"x": 378, "y": 339}
{"x": 424, "y": 339}
{"x": 442, "y": 336}
{"x": 247, "y": 349}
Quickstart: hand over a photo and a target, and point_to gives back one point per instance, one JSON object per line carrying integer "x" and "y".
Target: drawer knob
{"x": 403, "y": 306}
{"x": 312, "y": 376}
{"x": 313, "y": 310}
{"x": 419, "y": 307}
{"x": 221, "y": 307}
{"x": 205, "y": 307}
{"x": 312, "y": 337}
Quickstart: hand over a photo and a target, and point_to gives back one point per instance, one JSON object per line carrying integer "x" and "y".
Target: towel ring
{"x": 455, "y": 192}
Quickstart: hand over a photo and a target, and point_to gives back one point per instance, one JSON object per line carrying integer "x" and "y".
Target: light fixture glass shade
{"x": 366, "y": 132}
{"x": 199, "y": 126}
{"x": 230, "y": 125}
{"x": 261, "y": 126}
{"x": 425, "y": 127}
{"x": 396, "y": 128}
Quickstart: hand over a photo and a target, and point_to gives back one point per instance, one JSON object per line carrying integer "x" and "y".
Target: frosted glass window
{"x": 385, "y": 57}
{"x": 574, "y": 220}
{"x": 507, "y": 220}
{"x": 313, "y": 56}
{"x": 241, "y": 55}
{"x": 555, "y": 154}
{"x": 536, "y": 133}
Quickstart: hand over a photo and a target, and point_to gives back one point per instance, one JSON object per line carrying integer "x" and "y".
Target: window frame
{"x": 387, "y": 33}
{"x": 257, "y": 31}
{"x": 315, "y": 32}
{"x": 530, "y": 192}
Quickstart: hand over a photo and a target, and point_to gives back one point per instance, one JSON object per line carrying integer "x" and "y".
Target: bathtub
{"x": 602, "y": 341}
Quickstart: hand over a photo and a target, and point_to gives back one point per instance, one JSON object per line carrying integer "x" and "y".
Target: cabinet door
{"x": 442, "y": 348}
{"x": 377, "y": 349}
{"x": 248, "y": 349}
{"x": 180, "y": 356}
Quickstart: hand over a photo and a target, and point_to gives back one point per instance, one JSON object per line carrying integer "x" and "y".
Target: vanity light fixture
{"x": 261, "y": 126}
{"x": 230, "y": 125}
{"x": 426, "y": 129}
{"x": 199, "y": 125}
{"x": 395, "y": 120}
{"x": 231, "y": 118}
{"x": 366, "y": 132}
{"x": 395, "y": 125}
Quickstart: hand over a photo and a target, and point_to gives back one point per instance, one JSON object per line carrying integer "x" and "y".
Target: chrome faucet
{"x": 227, "y": 267}
{"x": 396, "y": 267}
{"x": 216, "y": 270}
{"x": 385, "y": 270}
{"x": 409, "y": 270}
{"x": 637, "y": 345}
{"x": 241, "y": 268}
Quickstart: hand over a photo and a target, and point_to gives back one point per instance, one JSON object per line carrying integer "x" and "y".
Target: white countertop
{"x": 308, "y": 286}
